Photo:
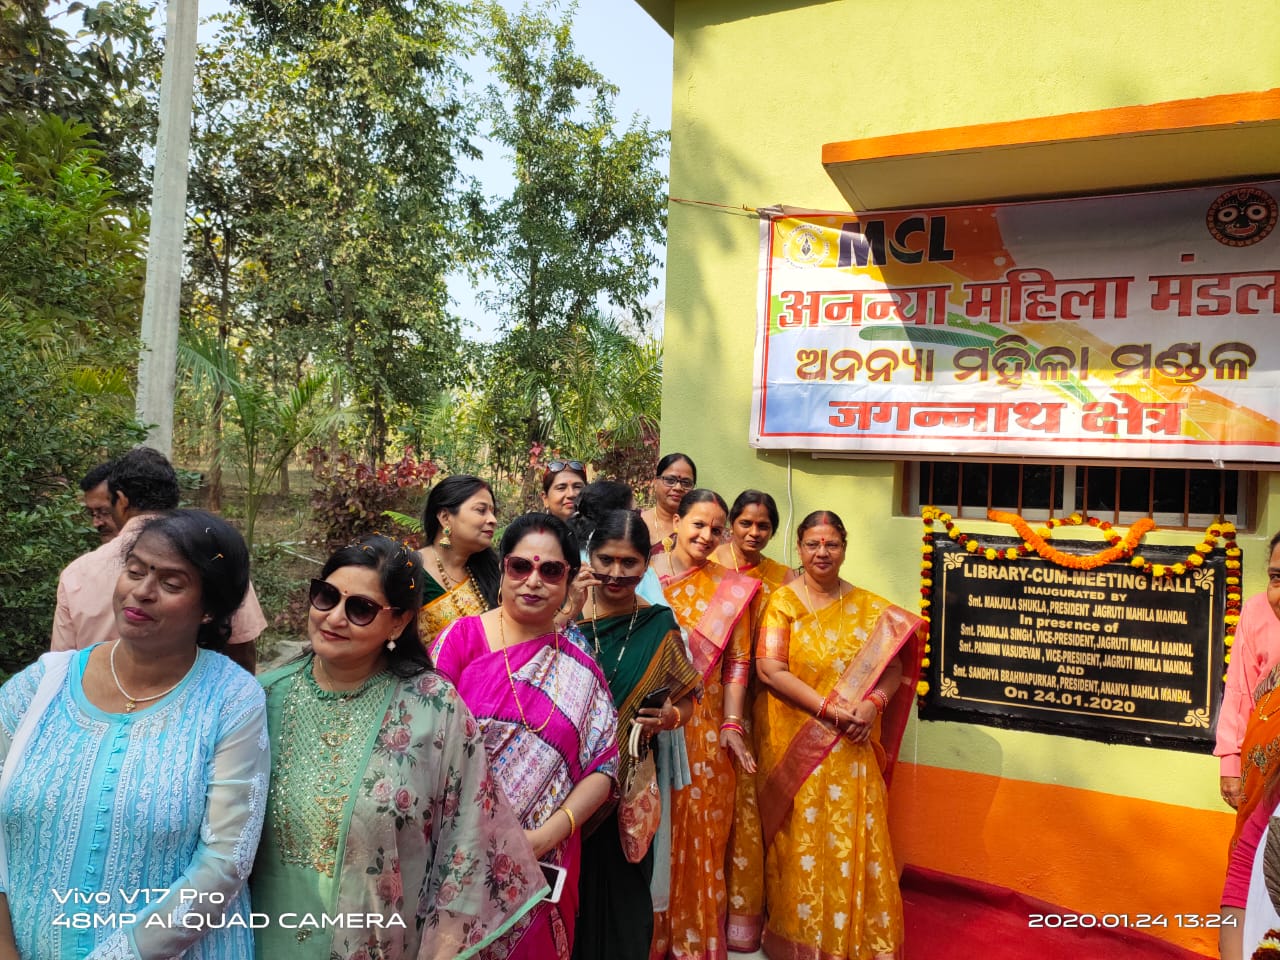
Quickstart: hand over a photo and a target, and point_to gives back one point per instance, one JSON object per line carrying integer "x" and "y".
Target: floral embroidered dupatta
{"x": 795, "y": 743}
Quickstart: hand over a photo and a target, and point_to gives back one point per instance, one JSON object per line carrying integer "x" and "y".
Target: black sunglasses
{"x": 361, "y": 611}
{"x": 609, "y": 580}
{"x": 555, "y": 466}
{"x": 521, "y": 568}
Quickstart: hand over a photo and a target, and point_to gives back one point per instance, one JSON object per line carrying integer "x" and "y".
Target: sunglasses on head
{"x": 521, "y": 568}
{"x": 359, "y": 610}
{"x": 555, "y": 466}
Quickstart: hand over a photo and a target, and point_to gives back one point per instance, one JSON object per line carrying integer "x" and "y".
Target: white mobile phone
{"x": 555, "y": 879}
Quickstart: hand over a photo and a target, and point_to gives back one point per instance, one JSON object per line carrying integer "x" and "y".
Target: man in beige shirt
{"x": 97, "y": 501}
{"x": 141, "y": 483}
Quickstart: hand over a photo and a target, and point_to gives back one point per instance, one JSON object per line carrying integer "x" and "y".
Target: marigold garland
{"x": 1036, "y": 541}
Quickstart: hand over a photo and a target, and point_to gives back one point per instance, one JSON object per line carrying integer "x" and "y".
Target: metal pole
{"x": 157, "y": 363}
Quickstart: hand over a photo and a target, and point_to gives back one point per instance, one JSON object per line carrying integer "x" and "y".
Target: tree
{"x": 576, "y": 237}
{"x": 70, "y": 281}
{"x": 338, "y": 131}
{"x": 105, "y": 75}
{"x": 270, "y": 426}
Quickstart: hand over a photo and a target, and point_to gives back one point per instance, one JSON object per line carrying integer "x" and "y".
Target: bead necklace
{"x": 447, "y": 581}
{"x": 555, "y": 696}
{"x": 804, "y": 582}
{"x": 595, "y": 637}
{"x": 131, "y": 702}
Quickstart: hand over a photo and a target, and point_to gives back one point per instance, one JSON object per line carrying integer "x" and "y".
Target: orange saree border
{"x": 895, "y": 630}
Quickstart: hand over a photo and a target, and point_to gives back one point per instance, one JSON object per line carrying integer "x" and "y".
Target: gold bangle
{"x": 573, "y": 821}
{"x": 730, "y": 716}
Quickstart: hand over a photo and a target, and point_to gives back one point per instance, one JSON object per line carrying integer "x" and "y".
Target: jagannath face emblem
{"x": 1242, "y": 217}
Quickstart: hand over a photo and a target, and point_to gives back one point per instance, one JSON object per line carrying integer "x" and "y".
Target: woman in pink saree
{"x": 545, "y": 713}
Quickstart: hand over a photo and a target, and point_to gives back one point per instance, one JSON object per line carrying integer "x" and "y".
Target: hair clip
{"x": 216, "y": 556}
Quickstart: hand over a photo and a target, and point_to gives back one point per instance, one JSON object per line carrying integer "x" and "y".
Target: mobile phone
{"x": 655, "y": 700}
{"x": 555, "y": 880}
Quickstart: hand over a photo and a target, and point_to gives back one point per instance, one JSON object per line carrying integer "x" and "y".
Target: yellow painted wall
{"x": 758, "y": 88}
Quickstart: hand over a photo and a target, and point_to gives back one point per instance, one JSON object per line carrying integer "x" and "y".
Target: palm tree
{"x": 270, "y": 426}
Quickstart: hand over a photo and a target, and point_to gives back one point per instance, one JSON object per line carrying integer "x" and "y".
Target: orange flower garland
{"x": 1036, "y": 541}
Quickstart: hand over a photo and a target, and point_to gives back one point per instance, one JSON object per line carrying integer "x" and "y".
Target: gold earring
{"x": 445, "y": 541}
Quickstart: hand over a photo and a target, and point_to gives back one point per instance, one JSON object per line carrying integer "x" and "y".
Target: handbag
{"x": 640, "y": 806}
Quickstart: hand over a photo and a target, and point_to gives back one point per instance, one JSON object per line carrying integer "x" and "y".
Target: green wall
{"x": 758, "y": 88}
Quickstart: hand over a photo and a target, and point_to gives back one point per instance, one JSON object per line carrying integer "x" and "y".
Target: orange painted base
{"x": 1089, "y": 852}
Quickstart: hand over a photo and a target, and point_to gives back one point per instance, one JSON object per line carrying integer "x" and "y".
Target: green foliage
{"x": 280, "y": 578}
{"x": 70, "y": 269}
{"x": 103, "y": 75}
{"x": 352, "y": 498}
{"x": 269, "y": 425}
{"x": 575, "y": 238}
{"x": 589, "y": 205}
{"x": 328, "y": 205}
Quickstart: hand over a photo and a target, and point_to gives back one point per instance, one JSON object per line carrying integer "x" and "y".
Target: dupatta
{"x": 890, "y": 629}
{"x": 709, "y": 601}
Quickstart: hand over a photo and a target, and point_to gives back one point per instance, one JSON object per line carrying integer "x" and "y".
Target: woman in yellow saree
{"x": 711, "y": 606}
{"x": 753, "y": 520}
{"x": 840, "y": 665}
{"x": 458, "y": 522}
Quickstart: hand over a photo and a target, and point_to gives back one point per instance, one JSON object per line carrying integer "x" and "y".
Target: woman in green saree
{"x": 640, "y": 651}
{"x": 382, "y": 811}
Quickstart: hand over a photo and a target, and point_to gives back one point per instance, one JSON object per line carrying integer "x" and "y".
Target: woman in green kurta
{"x": 640, "y": 650}
{"x": 386, "y": 836}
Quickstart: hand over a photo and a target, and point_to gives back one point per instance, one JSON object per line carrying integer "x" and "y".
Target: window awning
{"x": 1179, "y": 142}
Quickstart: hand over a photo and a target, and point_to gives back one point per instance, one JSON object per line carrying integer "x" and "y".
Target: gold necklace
{"x": 555, "y": 696}
{"x": 446, "y": 580}
{"x": 595, "y": 637}
{"x": 131, "y": 702}
{"x": 804, "y": 582}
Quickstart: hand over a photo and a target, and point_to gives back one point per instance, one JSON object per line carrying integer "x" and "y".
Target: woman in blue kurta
{"x": 135, "y": 772}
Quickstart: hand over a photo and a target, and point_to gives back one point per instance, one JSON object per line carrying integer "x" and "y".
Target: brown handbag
{"x": 640, "y": 806}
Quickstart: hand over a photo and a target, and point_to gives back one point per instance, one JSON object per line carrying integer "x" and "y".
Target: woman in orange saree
{"x": 1260, "y": 749}
{"x": 840, "y": 665}
{"x": 753, "y": 520}
{"x": 711, "y": 605}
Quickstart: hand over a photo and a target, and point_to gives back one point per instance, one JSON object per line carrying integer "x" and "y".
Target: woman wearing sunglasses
{"x": 674, "y": 476}
{"x": 753, "y": 520}
{"x": 712, "y": 606}
{"x": 458, "y": 522}
{"x": 381, "y": 806}
{"x": 639, "y": 648}
{"x": 562, "y": 481}
{"x": 545, "y": 712}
